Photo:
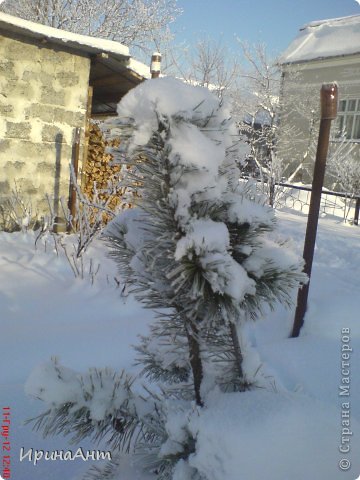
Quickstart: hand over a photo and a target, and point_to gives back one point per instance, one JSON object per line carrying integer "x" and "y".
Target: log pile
{"x": 101, "y": 177}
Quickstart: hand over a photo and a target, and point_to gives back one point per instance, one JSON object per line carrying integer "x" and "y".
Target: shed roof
{"x": 113, "y": 71}
{"x": 61, "y": 37}
{"x": 324, "y": 39}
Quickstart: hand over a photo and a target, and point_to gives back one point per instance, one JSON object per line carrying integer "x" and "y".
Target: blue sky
{"x": 273, "y": 22}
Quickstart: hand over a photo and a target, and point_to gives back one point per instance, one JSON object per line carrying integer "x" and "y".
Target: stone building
{"x": 323, "y": 52}
{"x": 51, "y": 82}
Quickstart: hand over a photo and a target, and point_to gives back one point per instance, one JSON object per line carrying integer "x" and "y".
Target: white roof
{"x": 324, "y": 38}
{"x": 74, "y": 40}
{"x": 140, "y": 68}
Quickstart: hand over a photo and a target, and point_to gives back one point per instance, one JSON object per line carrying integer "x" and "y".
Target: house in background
{"x": 51, "y": 82}
{"x": 323, "y": 52}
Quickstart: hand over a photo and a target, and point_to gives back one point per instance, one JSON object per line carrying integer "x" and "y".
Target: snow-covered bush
{"x": 17, "y": 213}
{"x": 199, "y": 250}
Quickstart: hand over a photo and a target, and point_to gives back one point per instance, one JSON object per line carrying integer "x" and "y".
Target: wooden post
{"x": 86, "y": 135}
{"x": 328, "y": 98}
{"x": 357, "y": 208}
{"x": 73, "y": 179}
{"x": 155, "y": 66}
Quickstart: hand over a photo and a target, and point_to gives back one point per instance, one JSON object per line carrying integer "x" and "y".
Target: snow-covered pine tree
{"x": 200, "y": 251}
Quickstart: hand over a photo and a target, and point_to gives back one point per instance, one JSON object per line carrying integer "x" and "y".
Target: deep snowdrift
{"x": 292, "y": 431}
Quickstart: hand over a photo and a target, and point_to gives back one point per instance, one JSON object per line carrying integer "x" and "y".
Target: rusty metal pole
{"x": 328, "y": 99}
{"x": 73, "y": 179}
{"x": 357, "y": 209}
{"x": 155, "y": 66}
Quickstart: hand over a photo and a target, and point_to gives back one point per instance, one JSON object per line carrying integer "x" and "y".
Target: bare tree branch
{"x": 134, "y": 23}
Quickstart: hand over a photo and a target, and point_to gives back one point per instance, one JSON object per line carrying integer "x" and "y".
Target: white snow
{"x": 203, "y": 234}
{"x": 199, "y": 149}
{"x": 290, "y": 427}
{"x": 242, "y": 210}
{"x": 139, "y": 67}
{"x": 167, "y": 94}
{"x": 324, "y": 39}
{"x": 203, "y": 156}
{"x": 291, "y": 432}
{"x": 66, "y": 386}
{"x": 195, "y": 149}
{"x": 269, "y": 254}
{"x": 277, "y": 436}
{"x": 225, "y": 275}
{"x": 90, "y": 323}
{"x": 62, "y": 382}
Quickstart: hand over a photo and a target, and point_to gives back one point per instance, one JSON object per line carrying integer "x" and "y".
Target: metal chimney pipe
{"x": 155, "y": 66}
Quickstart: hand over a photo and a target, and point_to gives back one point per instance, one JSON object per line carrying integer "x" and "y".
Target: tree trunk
{"x": 237, "y": 353}
{"x": 195, "y": 360}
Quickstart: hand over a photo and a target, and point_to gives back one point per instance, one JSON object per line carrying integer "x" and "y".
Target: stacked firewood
{"x": 102, "y": 177}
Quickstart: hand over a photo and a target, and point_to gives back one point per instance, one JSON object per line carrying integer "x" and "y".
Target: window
{"x": 348, "y": 119}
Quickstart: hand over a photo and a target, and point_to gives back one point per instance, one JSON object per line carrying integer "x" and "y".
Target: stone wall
{"x": 43, "y": 96}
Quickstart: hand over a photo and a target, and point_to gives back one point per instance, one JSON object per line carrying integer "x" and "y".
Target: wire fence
{"x": 296, "y": 197}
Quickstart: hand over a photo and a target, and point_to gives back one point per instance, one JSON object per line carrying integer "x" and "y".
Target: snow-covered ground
{"x": 291, "y": 432}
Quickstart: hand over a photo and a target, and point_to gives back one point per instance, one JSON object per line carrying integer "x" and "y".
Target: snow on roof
{"x": 140, "y": 68}
{"x": 323, "y": 39}
{"x": 84, "y": 43}
{"x": 73, "y": 40}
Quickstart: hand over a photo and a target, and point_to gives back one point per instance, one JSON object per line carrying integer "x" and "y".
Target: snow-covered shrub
{"x": 200, "y": 251}
{"x": 17, "y": 213}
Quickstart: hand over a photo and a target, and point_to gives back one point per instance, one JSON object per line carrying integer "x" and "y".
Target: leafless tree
{"x": 274, "y": 129}
{"x": 208, "y": 64}
{"x": 135, "y": 23}
{"x": 344, "y": 166}
{"x": 257, "y": 106}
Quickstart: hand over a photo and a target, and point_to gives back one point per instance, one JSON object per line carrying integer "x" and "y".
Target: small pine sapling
{"x": 199, "y": 249}
{"x": 199, "y": 246}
